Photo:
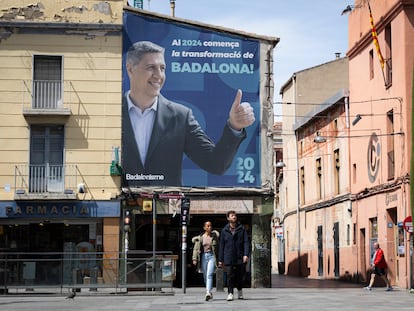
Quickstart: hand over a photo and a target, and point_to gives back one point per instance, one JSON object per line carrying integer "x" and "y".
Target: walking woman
{"x": 204, "y": 255}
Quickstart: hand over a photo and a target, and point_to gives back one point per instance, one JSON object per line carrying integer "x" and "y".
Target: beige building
{"x": 61, "y": 94}
{"x": 60, "y": 126}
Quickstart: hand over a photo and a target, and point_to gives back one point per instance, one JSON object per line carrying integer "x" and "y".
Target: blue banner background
{"x": 209, "y": 94}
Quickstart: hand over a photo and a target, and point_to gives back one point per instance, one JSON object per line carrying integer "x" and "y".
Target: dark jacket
{"x": 176, "y": 132}
{"x": 233, "y": 247}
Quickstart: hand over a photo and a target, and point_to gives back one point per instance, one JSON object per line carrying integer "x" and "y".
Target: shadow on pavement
{"x": 285, "y": 281}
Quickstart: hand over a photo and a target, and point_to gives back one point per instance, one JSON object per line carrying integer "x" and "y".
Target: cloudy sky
{"x": 310, "y": 32}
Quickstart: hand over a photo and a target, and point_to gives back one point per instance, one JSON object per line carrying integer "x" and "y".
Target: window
{"x": 302, "y": 185}
{"x": 390, "y": 145}
{"x": 374, "y": 227}
{"x": 337, "y": 166}
{"x": 374, "y": 233}
{"x": 319, "y": 178}
{"x": 388, "y": 55}
{"x": 354, "y": 172}
{"x": 354, "y": 234}
{"x": 371, "y": 64}
{"x": 46, "y": 159}
{"x": 47, "y": 82}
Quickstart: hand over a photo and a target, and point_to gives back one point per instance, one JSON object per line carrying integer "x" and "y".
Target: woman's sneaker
{"x": 230, "y": 297}
{"x": 209, "y": 296}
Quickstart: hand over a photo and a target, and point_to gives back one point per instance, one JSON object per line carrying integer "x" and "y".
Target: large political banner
{"x": 204, "y": 69}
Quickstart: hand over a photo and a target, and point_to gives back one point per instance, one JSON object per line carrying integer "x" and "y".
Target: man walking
{"x": 234, "y": 249}
{"x": 379, "y": 267}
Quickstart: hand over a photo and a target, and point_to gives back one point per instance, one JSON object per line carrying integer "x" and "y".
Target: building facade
{"x": 366, "y": 143}
{"x": 60, "y": 132}
{"x": 314, "y": 193}
{"x": 61, "y": 153}
{"x": 380, "y": 146}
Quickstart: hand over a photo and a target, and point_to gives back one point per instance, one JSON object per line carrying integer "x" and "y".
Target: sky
{"x": 310, "y": 32}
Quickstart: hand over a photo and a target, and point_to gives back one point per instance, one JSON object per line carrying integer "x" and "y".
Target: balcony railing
{"x": 46, "y": 97}
{"x": 46, "y": 179}
{"x": 47, "y": 94}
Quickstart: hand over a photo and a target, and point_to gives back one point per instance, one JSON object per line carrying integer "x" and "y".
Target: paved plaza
{"x": 286, "y": 294}
{"x": 255, "y": 299}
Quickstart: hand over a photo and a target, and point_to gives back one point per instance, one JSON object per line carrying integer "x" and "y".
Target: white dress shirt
{"x": 142, "y": 124}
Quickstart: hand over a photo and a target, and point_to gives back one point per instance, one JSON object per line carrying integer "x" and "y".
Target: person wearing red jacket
{"x": 379, "y": 267}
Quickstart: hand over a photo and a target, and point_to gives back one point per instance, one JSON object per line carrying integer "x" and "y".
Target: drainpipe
{"x": 298, "y": 203}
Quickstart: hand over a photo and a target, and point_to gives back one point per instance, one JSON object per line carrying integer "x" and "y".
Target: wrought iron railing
{"x": 46, "y": 94}
{"x": 45, "y": 178}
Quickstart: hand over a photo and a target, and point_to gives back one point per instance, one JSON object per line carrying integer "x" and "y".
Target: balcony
{"x": 46, "y": 99}
{"x": 45, "y": 182}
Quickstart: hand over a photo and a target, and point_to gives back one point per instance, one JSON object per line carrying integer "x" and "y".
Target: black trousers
{"x": 235, "y": 277}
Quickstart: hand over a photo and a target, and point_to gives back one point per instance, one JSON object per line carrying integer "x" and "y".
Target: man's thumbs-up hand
{"x": 241, "y": 114}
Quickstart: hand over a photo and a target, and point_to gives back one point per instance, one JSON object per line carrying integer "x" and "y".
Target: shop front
{"x": 54, "y": 242}
{"x": 156, "y": 229}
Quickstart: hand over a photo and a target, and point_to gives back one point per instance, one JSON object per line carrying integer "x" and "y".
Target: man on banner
{"x": 158, "y": 132}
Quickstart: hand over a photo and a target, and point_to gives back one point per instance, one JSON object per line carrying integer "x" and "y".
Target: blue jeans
{"x": 208, "y": 265}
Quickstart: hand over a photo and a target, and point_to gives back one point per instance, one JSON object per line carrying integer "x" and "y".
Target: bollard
{"x": 219, "y": 280}
{"x": 94, "y": 278}
{"x": 76, "y": 277}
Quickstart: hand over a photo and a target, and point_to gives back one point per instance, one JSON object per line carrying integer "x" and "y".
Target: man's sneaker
{"x": 230, "y": 297}
{"x": 240, "y": 294}
{"x": 368, "y": 288}
{"x": 389, "y": 289}
{"x": 209, "y": 296}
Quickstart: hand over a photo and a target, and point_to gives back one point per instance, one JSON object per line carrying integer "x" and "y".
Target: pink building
{"x": 380, "y": 136}
{"x": 350, "y": 187}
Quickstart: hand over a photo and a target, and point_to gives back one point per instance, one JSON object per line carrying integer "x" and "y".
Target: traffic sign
{"x": 408, "y": 224}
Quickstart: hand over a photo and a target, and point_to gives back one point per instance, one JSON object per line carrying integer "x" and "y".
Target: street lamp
{"x": 349, "y": 8}
{"x": 358, "y": 117}
{"x": 319, "y": 139}
{"x": 280, "y": 164}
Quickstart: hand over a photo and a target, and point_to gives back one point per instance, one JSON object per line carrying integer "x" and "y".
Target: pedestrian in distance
{"x": 234, "y": 250}
{"x": 379, "y": 267}
{"x": 154, "y": 126}
{"x": 204, "y": 255}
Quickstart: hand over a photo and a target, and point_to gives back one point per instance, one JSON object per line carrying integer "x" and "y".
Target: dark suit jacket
{"x": 175, "y": 132}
